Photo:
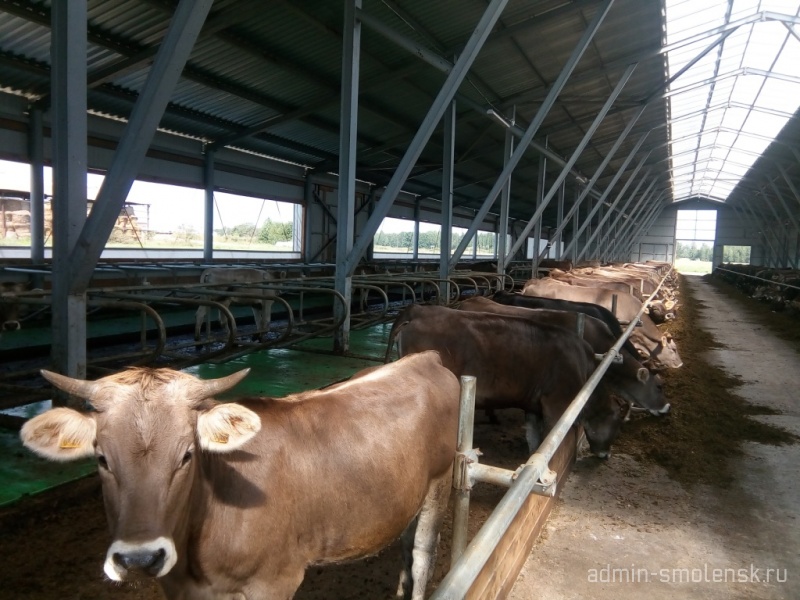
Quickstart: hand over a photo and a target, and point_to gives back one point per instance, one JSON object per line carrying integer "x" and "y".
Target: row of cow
{"x": 780, "y": 288}
{"x": 201, "y": 494}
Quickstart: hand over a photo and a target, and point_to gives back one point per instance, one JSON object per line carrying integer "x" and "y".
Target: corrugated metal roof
{"x": 278, "y": 63}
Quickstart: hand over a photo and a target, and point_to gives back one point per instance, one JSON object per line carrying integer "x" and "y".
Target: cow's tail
{"x": 401, "y": 321}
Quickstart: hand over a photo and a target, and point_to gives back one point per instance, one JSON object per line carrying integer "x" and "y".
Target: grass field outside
{"x": 687, "y": 265}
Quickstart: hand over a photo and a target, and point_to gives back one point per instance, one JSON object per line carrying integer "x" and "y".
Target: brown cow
{"x": 236, "y": 500}
{"x": 9, "y": 306}
{"x": 659, "y": 348}
{"x": 235, "y": 278}
{"x": 518, "y": 364}
{"x": 630, "y": 379}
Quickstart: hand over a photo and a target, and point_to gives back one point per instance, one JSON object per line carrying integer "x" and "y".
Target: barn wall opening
{"x": 737, "y": 255}
{"x": 695, "y": 231}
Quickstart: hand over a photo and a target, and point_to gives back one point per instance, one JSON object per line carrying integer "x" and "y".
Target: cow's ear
{"x": 643, "y": 375}
{"x": 664, "y": 341}
{"x": 226, "y": 427}
{"x": 60, "y": 434}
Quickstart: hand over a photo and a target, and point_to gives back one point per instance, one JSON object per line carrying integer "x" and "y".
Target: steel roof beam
{"x": 435, "y": 113}
{"x": 148, "y": 111}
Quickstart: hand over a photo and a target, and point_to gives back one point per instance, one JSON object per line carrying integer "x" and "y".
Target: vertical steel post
{"x": 435, "y": 113}
{"x": 415, "y": 237}
{"x": 533, "y": 127}
{"x": 645, "y": 225}
{"x": 505, "y": 199}
{"x": 610, "y": 186}
{"x": 466, "y": 424}
{"x": 537, "y": 232}
{"x": 68, "y": 89}
{"x": 36, "y": 152}
{"x": 448, "y": 162}
{"x": 621, "y": 213}
{"x": 308, "y": 202}
{"x": 605, "y": 216}
{"x": 628, "y": 226}
{"x": 345, "y": 215}
{"x": 208, "y": 220}
{"x": 164, "y": 73}
{"x": 575, "y": 211}
{"x": 560, "y": 220}
{"x": 581, "y": 146}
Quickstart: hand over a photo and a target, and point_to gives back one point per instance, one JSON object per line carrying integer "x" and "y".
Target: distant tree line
{"x": 430, "y": 240}
{"x": 271, "y": 232}
{"x": 736, "y": 254}
{"x": 691, "y": 252}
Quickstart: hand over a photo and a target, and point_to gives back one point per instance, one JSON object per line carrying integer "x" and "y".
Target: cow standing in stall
{"x": 237, "y": 278}
{"x": 656, "y": 347}
{"x": 9, "y": 307}
{"x": 236, "y": 500}
{"x": 517, "y": 364}
{"x": 629, "y": 378}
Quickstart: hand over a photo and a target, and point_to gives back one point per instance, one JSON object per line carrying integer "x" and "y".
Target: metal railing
{"x": 534, "y": 476}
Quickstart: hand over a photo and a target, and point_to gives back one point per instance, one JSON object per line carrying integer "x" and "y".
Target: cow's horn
{"x": 212, "y": 387}
{"x": 76, "y": 387}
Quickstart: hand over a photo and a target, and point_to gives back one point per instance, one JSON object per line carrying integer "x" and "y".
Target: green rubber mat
{"x": 275, "y": 373}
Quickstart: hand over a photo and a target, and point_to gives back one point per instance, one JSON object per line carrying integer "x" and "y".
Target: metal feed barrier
{"x": 468, "y": 576}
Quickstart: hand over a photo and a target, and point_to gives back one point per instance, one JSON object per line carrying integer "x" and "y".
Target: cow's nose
{"x": 148, "y": 562}
{"x": 11, "y": 325}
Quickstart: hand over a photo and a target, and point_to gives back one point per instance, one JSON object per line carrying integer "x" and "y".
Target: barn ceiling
{"x": 265, "y": 77}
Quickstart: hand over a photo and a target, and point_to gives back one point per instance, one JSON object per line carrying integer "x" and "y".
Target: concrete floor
{"x": 623, "y": 530}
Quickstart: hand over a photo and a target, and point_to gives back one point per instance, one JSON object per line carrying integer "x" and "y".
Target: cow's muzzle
{"x": 126, "y": 561}
{"x": 11, "y": 325}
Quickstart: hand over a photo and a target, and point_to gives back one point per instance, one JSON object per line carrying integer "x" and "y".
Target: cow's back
{"x": 333, "y": 474}
{"x": 516, "y": 362}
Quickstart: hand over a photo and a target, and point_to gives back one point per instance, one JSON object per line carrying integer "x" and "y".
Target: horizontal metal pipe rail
{"x": 770, "y": 281}
{"x": 535, "y": 473}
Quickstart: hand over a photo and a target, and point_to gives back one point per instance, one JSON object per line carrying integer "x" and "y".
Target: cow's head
{"x": 638, "y": 386}
{"x": 146, "y": 431}
{"x": 601, "y": 419}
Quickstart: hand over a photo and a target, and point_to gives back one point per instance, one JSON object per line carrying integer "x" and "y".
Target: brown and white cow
{"x": 518, "y": 364}
{"x": 629, "y": 379}
{"x": 236, "y": 277}
{"x": 657, "y": 348}
{"x": 236, "y": 500}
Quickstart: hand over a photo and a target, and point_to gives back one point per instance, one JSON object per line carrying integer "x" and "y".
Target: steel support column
{"x": 145, "y": 117}
{"x": 505, "y": 199}
{"x": 556, "y": 238}
{"x": 575, "y": 211}
{"x": 789, "y": 182}
{"x": 348, "y": 142}
{"x": 784, "y": 255}
{"x": 308, "y": 201}
{"x": 533, "y": 127}
{"x": 537, "y": 233}
{"x": 619, "y": 172}
{"x": 621, "y": 212}
{"x": 208, "y": 221}
{"x": 415, "y": 236}
{"x": 621, "y": 193}
{"x": 36, "y": 155}
{"x": 644, "y": 226}
{"x": 628, "y": 226}
{"x": 448, "y": 165}
{"x": 435, "y": 113}
{"x": 68, "y": 89}
{"x": 581, "y": 146}
{"x": 785, "y": 206}
{"x": 747, "y": 207}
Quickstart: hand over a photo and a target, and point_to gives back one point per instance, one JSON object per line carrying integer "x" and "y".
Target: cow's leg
{"x": 426, "y": 538}
{"x": 199, "y": 317}
{"x": 533, "y": 431}
{"x": 407, "y": 542}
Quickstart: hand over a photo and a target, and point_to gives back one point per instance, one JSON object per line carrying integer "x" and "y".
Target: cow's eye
{"x": 101, "y": 460}
{"x": 186, "y": 457}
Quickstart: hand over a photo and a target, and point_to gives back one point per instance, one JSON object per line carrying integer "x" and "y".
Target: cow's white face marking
{"x": 116, "y": 572}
